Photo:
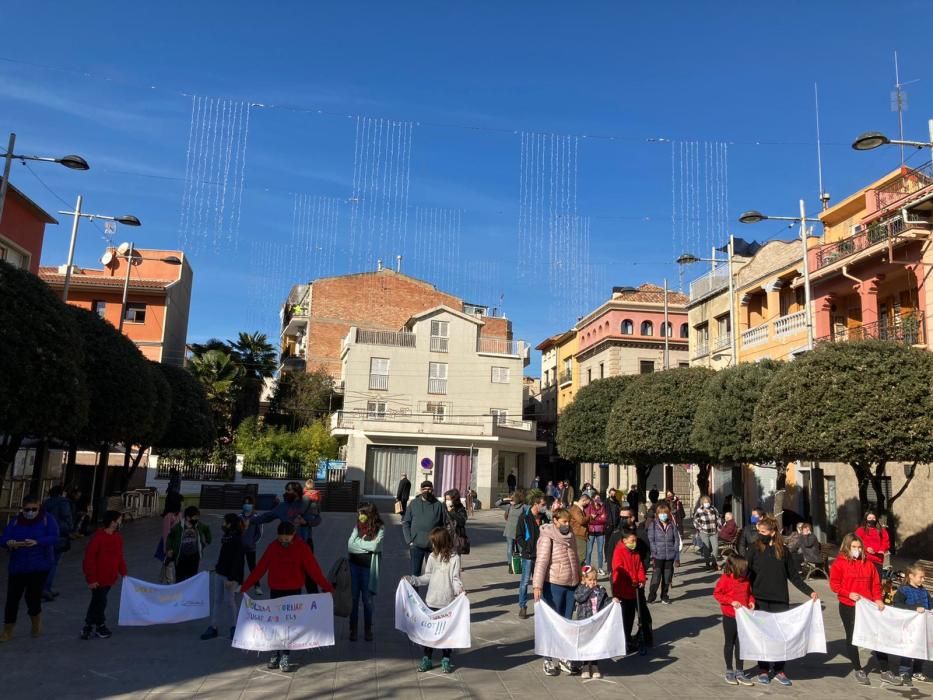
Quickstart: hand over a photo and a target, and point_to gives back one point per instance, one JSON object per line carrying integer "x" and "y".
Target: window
{"x": 376, "y": 410}
{"x": 379, "y": 373}
{"x": 99, "y": 308}
{"x": 602, "y": 371}
{"x": 440, "y": 333}
{"x": 135, "y": 313}
{"x": 666, "y": 330}
{"x": 437, "y": 378}
{"x": 589, "y": 375}
{"x": 385, "y": 466}
{"x": 547, "y": 377}
{"x": 684, "y": 330}
{"x": 723, "y": 325}
{"x": 645, "y": 366}
{"x": 628, "y": 328}
{"x": 14, "y": 257}
{"x": 647, "y": 328}
{"x": 566, "y": 374}
{"x": 702, "y": 335}
{"x": 500, "y": 375}
{"x": 500, "y": 414}
{"x": 438, "y": 410}
{"x": 683, "y": 364}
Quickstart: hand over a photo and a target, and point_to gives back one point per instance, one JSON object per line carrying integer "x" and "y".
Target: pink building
{"x": 22, "y": 231}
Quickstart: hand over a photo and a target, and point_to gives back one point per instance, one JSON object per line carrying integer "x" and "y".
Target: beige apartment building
{"x": 436, "y": 399}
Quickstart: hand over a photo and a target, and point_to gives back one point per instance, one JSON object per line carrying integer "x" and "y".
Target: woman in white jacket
{"x": 442, "y": 576}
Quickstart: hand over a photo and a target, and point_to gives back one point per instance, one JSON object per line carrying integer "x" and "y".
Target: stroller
{"x": 644, "y": 637}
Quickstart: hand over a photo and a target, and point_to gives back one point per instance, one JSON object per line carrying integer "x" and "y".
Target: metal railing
{"x": 349, "y": 419}
{"x": 379, "y": 382}
{"x": 566, "y": 377}
{"x": 192, "y": 470}
{"x": 277, "y": 470}
{"x": 877, "y": 232}
{"x": 499, "y": 346}
{"x": 439, "y": 343}
{"x": 909, "y": 328}
{"x": 701, "y": 350}
{"x": 399, "y": 339}
{"x": 712, "y": 281}
{"x": 722, "y": 341}
{"x": 437, "y": 386}
{"x": 909, "y": 183}
{"x": 791, "y": 323}
{"x": 755, "y": 336}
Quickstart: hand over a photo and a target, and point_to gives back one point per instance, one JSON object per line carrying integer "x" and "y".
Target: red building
{"x": 22, "y": 230}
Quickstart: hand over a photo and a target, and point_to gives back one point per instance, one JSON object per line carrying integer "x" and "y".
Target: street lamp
{"x": 753, "y": 217}
{"x": 131, "y": 258}
{"x": 71, "y": 162}
{"x": 871, "y": 140}
{"x": 126, "y": 219}
{"x": 690, "y": 259}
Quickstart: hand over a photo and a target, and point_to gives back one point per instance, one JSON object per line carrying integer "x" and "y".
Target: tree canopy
{"x": 304, "y": 396}
{"x": 581, "y": 428}
{"x": 190, "y": 425}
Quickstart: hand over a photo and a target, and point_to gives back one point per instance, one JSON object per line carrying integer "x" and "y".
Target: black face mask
{"x": 765, "y": 538}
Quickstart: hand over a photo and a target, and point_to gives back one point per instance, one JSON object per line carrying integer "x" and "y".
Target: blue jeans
{"x": 560, "y": 598}
{"x": 528, "y": 569}
{"x": 50, "y": 579}
{"x": 359, "y": 585}
{"x": 418, "y": 556}
{"x": 509, "y": 548}
{"x": 597, "y": 542}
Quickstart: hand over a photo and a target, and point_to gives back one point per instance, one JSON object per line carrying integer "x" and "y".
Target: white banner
{"x": 288, "y": 623}
{"x": 144, "y": 603}
{"x": 447, "y": 628}
{"x": 595, "y": 638}
{"x": 904, "y": 633}
{"x": 765, "y": 636}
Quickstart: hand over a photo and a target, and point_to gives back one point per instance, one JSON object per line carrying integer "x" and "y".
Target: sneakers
{"x": 103, "y": 632}
{"x": 743, "y": 679}
{"x": 764, "y": 679}
{"x": 665, "y": 600}
{"x": 550, "y": 668}
{"x": 523, "y": 613}
{"x": 567, "y": 667}
{"x": 783, "y": 679}
{"x": 906, "y": 680}
{"x": 651, "y": 598}
{"x": 862, "y": 677}
{"x": 891, "y": 678}
{"x": 595, "y": 672}
{"x": 86, "y": 632}
{"x": 209, "y": 633}
{"x": 273, "y": 662}
{"x": 426, "y": 664}
{"x": 921, "y": 677}
{"x": 731, "y": 678}
{"x": 284, "y": 665}
{"x": 602, "y": 572}
{"x": 585, "y": 672}
{"x": 446, "y": 665}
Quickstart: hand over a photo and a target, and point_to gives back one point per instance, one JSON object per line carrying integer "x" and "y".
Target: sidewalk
{"x": 171, "y": 661}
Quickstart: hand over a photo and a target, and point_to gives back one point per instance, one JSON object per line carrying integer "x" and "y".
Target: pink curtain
{"x": 453, "y": 472}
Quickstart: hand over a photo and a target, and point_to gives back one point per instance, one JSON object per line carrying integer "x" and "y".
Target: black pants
{"x": 96, "y": 611}
{"x": 186, "y": 567}
{"x": 429, "y": 651}
{"x": 730, "y": 646}
{"x": 404, "y": 502}
{"x": 29, "y": 584}
{"x": 629, "y": 612}
{"x": 250, "y": 556}
{"x": 282, "y": 593}
{"x": 663, "y": 574}
{"x": 771, "y": 606}
{"x": 847, "y": 614}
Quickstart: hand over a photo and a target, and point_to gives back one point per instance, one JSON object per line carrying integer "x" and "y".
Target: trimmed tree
{"x": 652, "y": 422}
{"x": 865, "y": 403}
{"x": 190, "y": 423}
{"x": 302, "y": 398}
{"x": 581, "y": 427}
{"x": 152, "y": 433}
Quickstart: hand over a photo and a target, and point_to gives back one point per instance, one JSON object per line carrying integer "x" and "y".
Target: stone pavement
{"x": 171, "y": 660}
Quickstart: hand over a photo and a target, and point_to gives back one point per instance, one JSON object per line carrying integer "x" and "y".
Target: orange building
{"x": 156, "y": 316}
{"x": 22, "y": 230}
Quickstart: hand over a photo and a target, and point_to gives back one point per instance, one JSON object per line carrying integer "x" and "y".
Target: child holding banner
{"x": 228, "y": 575}
{"x": 733, "y": 591}
{"x": 288, "y": 561}
{"x": 628, "y": 575}
{"x": 364, "y": 551}
{"x": 590, "y": 598}
{"x": 442, "y": 576}
{"x": 913, "y": 596}
{"x": 103, "y": 563}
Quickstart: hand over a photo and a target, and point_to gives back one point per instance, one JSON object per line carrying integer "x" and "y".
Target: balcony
{"x": 439, "y": 343}
{"x": 711, "y": 282}
{"x": 379, "y": 382}
{"x": 722, "y": 342}
{"x": 878, "y": 232}
{"x": 499, "y": 346}
{"x": 293, "y": 361}
{"x": 398, "y": 339}
{"x": 792, "y": 323}
{"x": 566, "y": 377}
{"x": 755, "y": 336}
{"x": 909, "y": 329}
{"x": 437, "y": 386}
{"x": 701, "y": 350}
{"x": 904, "y": 189}
{"x": 294, "y": 319}
{"x": 395, "y": 422}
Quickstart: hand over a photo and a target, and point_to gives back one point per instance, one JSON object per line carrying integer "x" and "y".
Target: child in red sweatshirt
{"x": 103, "y": 562}
{"x": 733, "y": 591}
{"x": 287, "y": 560}
{"x": 628, "y": 575}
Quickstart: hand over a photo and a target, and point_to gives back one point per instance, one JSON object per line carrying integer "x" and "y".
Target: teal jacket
{"x": 358, "y": 545}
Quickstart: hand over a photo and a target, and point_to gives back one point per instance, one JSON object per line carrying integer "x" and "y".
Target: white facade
{"x": 435, "y": 393}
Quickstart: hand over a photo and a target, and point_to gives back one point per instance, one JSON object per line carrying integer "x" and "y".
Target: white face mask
{"x": 855, "y": 552}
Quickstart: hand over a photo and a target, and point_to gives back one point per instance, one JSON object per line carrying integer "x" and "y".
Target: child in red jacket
{"x": 733, "y": 591}
{"x": 853, "y": 577}
{"x": 103, "y": 562}
{"x": 628, "y": 575}
{"x": 287, "y": 560}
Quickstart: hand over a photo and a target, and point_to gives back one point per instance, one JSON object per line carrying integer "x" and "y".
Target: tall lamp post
{"x": 131, "y": 258}
{"x": 871, "y": 140}
{"x": 126, "y": 219}
{"x": 754, "y": 217}
{"x": 72, "y": 162}
{"x": 689, "y": 259}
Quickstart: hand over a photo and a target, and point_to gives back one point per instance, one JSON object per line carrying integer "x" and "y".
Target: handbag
{"x": 515, "y": 565}
{"x": 398, "y": 507}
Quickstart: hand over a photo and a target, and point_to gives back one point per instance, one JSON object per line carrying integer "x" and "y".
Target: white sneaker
{"x": 595, "y": 672}
{"x": 550, "y": 668}
{"x": 565, "y": 666}
{"x": 585, "y": 672}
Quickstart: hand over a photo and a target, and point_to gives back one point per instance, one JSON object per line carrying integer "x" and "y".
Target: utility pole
{"x": 667, "y": 331}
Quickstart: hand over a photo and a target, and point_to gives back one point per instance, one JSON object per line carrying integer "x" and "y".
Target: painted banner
{"x": 144, "y": 603}
{"x": 904, "y": 633}
{"x": 447, "y": 628}
{"x": 592, "y": 639}
{"x": 765, "y": 636}
{"x": 289, "y": 623}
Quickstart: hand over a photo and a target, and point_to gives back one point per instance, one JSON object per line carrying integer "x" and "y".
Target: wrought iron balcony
{"x": 909, "y": 329}
{"x": 877, "y": 232}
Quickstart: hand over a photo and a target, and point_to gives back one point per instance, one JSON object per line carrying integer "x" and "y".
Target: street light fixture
{"x": 131, "y": 259}
{"x": 71, "y": 162}
{"x": 871, "y": 140}
{"x": 752, "y": 217}
{"x": 126, "y": 219}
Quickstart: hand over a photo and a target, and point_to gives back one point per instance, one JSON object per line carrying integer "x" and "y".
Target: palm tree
{"x": 257, "y": 357}
{"x": 218, "y": 373}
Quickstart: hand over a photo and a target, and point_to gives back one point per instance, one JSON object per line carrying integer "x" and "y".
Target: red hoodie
{"x": 876, "y": 538}
{"x": 854, "y": 576}
{"x": 627, "y": 572}
{"x": 287, "y": 567}
{"x": 729, "y": 588}
{"x": 103, "y": 558}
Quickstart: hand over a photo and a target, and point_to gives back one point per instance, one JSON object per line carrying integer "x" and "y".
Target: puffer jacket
{"x": 583, "y": 597}
{"x": 597, "y": 516}
{"x": 664, "y": 541}
{"x": 556, "y": 559}
{"x": 854, "y": 576}
{"x": 26, "y": 560}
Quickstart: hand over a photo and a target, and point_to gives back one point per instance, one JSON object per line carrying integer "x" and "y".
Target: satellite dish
{"x": 106, "y": 258}
{"x": 123, "y": 249}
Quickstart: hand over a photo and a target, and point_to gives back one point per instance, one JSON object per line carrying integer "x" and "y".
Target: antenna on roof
{"x": 824, "y": 196}
{"x": 899, "y": 102}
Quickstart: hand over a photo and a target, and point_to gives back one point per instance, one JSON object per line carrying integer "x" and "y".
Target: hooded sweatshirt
{"x": 627, "y": 572}
{"x": 729, "y": 588}
{"x": 854, "y": 576}
{"x": 287, "y": 567}
{"x": 556, "y": 559}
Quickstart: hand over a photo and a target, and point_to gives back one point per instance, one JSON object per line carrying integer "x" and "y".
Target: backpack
{"x": 339, "y": 577}
{"x": 190, "y": 545}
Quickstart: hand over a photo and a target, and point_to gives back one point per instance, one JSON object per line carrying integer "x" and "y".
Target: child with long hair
{"x": 364, "y": 552}
{"x": 228, "y": 576}
{"x": 442, "y": 576}
{"x": 590, "y": 598}
{"x": 733, "y": 591}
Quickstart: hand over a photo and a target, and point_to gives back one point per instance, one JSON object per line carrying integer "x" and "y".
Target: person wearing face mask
{"x": 301, "y": 512}
{"x": 456, "y": 521}
{"x": 30, "y": 538}
{"x": 228, "y": 576}
{"x": 626, "y": 523}
{"x": 364, "y": 552}
{"x": 527, "y": 534}
{"x": 288, "y": 561}
{"x": 252, "y": 534}
{"x": 596, "y": 517}
{"x": 103, "y": 564}
{"x": 628, "y": 580}
{"x": 556, "y": 575}
{"x": 423, "y": 514}
{"x": 186, "y": 542}
{"x": 749, "y": 535}
{"x": 876, "y": 540}
{"x": 853, "y": 577}
{"x": 707, "y": 522}
{"x": 677, "y": 510}
{"x": 664, "y": 540}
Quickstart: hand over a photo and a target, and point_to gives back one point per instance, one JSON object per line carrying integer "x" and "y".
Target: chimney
{"x": 379, "y": 265}
{"x": 398, "y": 263}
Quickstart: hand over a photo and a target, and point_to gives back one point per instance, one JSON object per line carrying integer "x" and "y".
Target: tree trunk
{"x": 862, "y": 475}
{"x": 99, "y": 496}
{"x": 35, "y": 482}
{"x": 642, "y": 472}
{"x": 703, "y": 471}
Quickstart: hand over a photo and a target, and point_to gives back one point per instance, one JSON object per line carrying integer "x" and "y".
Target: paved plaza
{"x": 171, "y": 660}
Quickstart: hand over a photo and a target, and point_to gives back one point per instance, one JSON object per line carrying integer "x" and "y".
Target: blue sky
{"x": 638, "y": 91}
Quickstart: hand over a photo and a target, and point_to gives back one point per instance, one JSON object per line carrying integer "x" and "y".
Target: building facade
{"x": 710, "y": 312}
{"x": 22, "y": 231}
{"x": 158, "y": 303}
{"x": 436, "y": 399}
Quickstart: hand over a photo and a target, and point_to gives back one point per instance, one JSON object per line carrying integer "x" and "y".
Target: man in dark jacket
{"x": 526, "y": 541}
{"x": 403, "y": 492}
{"x": 59, "y": 507}
{"x": 633, "y": 499}
{"x": 749, "y": 534}
{"x": 511, "y": 481}
{"x": 423, "y": 515}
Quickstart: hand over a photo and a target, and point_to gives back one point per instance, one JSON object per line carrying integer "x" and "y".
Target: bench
{"x": 826, "y": 555}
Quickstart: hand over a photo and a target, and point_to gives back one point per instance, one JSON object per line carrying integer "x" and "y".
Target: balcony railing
{"x": 791, "y": 323}
{"x": 196, "y": 470}
{"x": 899, "y": 192}
{"x": 379, "y": 382}
{"x": 399, "y": 339}
{"x": 712, "y": 281}
{"x": 755, "y": 336}
{"x": 437, "y": 386}
{"x": 908, "y": 328}
{"x": 876, "y": 233}
{"x": 488, "y": 424}
{"x": 701, "y": 349}
{"x": 722, "y": 341}
{"x": 566, "y": 377}
{"x": 439, "y": 343}
{"x": 498, "y": 346}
